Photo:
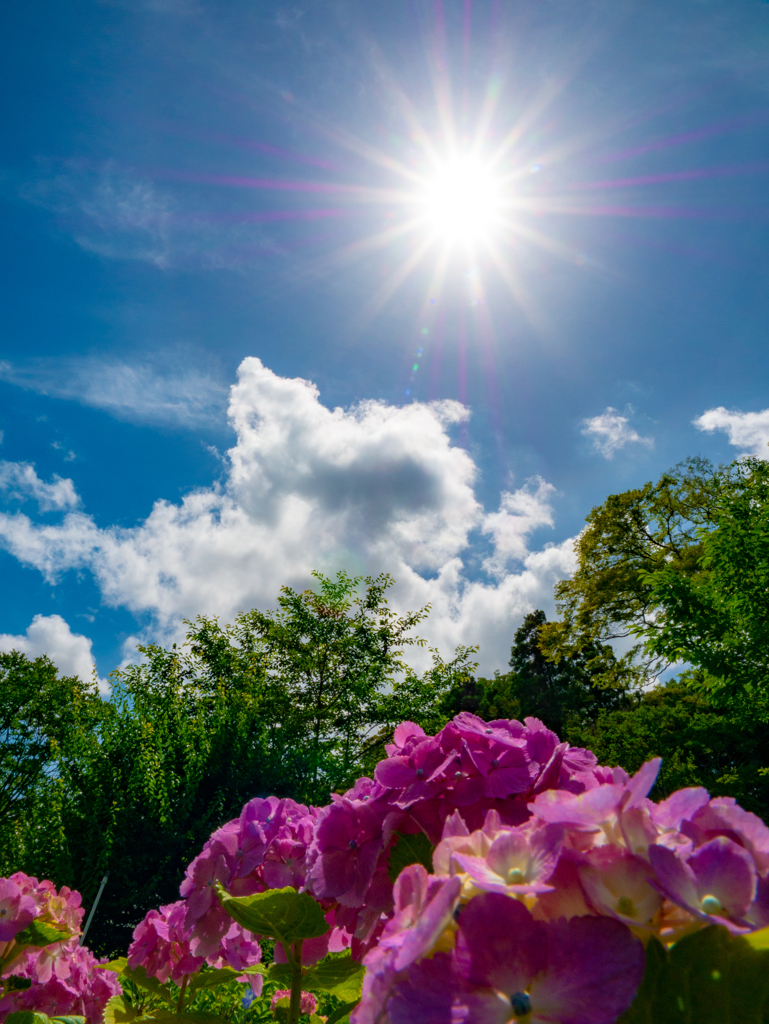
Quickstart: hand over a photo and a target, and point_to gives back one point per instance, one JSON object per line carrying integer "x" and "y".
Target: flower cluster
{"x": 63, "y": 975}
{"x": 469, "y": 766}
{"x": 543, "y": 917}
{"x": 548, "y": 872}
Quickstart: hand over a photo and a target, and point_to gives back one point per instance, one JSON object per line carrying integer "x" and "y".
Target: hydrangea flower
{"x": 17, "y": 910}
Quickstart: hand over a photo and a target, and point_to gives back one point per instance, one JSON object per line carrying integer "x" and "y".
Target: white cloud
{"x": 611, "y": 431}
{"x": 747, "y": 430}
{"x": 371, "y": 488}
{"x": 519, "y": 513}
{"x": 141, "y": 393}
{"x": 50, "y": 634}
{"x": 20, "y": 481}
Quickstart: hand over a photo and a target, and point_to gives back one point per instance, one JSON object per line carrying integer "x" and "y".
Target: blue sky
{"x": 234, "y": 351}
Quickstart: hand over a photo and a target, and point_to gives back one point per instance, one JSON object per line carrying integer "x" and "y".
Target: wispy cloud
{"x": 611, "y": 431}
{"x": 118, "y": 214}
{"x": 140, "y": 393}
{"x": 19, "y": 481}
{"x": 746, "y": 430}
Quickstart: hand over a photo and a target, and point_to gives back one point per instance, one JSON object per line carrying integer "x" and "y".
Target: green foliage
{"x": 33, "y": 1017}
{"x": 710, "y": 977}
{"x": 627, "y": 537}
{"x": 718, "y": 617}
{"x": 700, "y": 744}
{"x": 44, "y": 718}
{"x": 342, "y": 976}
{"x": 282, "y": 914}
{"x": 334, "y": 652}
{"x": 409, "y": 849}
{"x": 569, "y": 693}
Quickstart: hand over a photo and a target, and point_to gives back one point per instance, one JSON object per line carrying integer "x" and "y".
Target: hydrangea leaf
{"x": 118, "y": 965}
{"x": 39, "y": 933}
{"x": 210, "y": 979}
{"x": 117, "y": 1011}
{"x": 710, "y": 977}
{"x": 282, "y": 914}
{"x": 28, "y": 1017}
{"x": 342, "y": 1013}
{"x": 759, "y": 939}
{"x": 342, "y": 976}
{"x": 138, "y": 976}
{"x": 282, "y": 974}
{"x": 413, "y": 849}
{"x": 69, "y": 1019}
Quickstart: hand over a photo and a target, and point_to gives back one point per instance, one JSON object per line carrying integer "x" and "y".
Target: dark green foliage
{"x": 44, "y": 718}
{"x": 710, "y": 977}
{"x": 409, "y": 849}
{"x": 563, "y": 695}
{"x": 700, "y": 745}
{"x": 628, "y": 536}
{"x": 718, "y": 618}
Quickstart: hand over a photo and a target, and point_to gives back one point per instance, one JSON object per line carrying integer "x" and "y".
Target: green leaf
{"x": 70, "y": 1019}
{"x": 16, "y": 984}
{"x": 27, "y": 1017}
{"x": 40, "y": 933}
{"x": 117, "y": 1011}
{"x": 185, "y": 1017}
{"x": 710, "y": 977}
{"x": 281, "y": 973}
{"x": 342, "y": 1013}
{"x": 414, "y": 849}
{"x": 118, "y": 965}
{"x": 139, "y": 977}
{"x": 210, "y": 979}
{"x": 343, "y": 976}
{"x": 282, "y": 914}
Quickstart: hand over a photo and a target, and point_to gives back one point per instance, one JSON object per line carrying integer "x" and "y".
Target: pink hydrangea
{"x": 308, "y": 1003}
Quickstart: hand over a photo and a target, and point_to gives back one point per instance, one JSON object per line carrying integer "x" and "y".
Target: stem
{"x": 296, "y": 984}
{"x": 180, "y": 1003}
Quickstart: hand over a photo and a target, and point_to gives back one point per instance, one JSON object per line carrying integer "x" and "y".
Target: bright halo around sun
{"x": 462, "y": 204}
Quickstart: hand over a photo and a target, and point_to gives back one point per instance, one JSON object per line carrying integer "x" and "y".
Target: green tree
{"x": 43, "y": 717}
{"x": 630, "y": 536}
{"x": 700, "y": 744}
{"x": 562, "y": 694}
{"x": 718, "y": 617}
{"x": 335, "y": 651}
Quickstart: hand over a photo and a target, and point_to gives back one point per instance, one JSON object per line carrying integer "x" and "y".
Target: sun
{"x": 462, "y": 203}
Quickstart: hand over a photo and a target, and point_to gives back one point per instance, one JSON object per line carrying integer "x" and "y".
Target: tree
{"x": 561, "y": 694}
{"x": 718, "y": 617}
{"x": 335, "y": 651}
{"x": 43, "y": 717}
{"x": 700, "y": 744}
{"x": 627, "y": 538}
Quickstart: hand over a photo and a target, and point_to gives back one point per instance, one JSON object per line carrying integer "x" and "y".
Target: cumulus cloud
{"x": 50, "y": 634}
{"x": 371, "y": 488}
{"x": 520, "y": 512}
{"x": 611, "y": 431}
{"x": 140, "y": 393}
{"x": 748, "y": 431}
{"x": 19, "y": 481}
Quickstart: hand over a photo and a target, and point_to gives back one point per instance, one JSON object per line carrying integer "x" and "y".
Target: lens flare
{"x": 463, "y": 202}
